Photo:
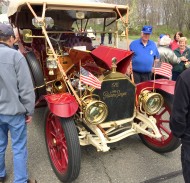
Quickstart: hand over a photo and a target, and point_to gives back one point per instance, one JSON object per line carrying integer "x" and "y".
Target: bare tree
{"x": 134, "y": 21}
{"x": 4, "y": 2}
{"x": 178, "y": 14}
{"x": 172, "y": 13}
{"x": 187, "y": 15}
{"x": 154, "y": 13}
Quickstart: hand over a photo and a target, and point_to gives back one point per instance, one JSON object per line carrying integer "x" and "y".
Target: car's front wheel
{"x": 63, "y": 146}
{"x": 167, "y": 142}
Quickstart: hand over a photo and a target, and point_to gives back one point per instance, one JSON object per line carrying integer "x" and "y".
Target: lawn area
{"x": 153, "y": 37}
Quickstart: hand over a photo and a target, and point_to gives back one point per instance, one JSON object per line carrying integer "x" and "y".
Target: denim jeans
{"x": 18, "y": 131}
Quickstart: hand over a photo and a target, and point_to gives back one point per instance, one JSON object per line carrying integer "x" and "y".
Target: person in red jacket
{"x": 175, "y": 43}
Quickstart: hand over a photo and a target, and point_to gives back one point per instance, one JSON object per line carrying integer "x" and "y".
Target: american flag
{"x": 89, "y": 79}
{"x": 164, "y": 70}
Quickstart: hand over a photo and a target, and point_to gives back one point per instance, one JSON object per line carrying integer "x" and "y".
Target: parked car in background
{"x": 91, "y": 34}
{"x": 4, "y": 18}
{"x": 89, "y": 96}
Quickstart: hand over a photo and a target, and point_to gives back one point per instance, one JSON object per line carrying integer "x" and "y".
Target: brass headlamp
{"x": 95, "y": 111}
{"x": 150, "y": 102}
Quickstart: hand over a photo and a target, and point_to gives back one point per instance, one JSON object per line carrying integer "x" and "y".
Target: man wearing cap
{"x": 145, "y": 52}
{"x": 17, "y": 100}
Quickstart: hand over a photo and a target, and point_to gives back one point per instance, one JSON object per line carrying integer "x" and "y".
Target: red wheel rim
{"x": 162, "y": 118}
{"x": 56, "y": 143}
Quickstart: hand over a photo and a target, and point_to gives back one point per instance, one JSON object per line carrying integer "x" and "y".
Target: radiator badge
{"x": 113, "y": 94}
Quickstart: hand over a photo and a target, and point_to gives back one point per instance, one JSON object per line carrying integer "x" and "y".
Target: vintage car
{"x": 89, "y": 93}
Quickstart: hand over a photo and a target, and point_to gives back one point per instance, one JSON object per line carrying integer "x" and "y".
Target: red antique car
{"x": 90, "y": 98}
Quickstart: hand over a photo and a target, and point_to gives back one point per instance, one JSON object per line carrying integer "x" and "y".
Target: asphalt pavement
{"x": 128, "y": 161}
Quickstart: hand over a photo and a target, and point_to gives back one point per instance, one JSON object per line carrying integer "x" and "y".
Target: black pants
{"x": 109, "y": 40}
{"x": 158, "y": 77}
{"x": 140, "y": 77}
{"x": 102, "y": 39}
{"x": 185, "y": 161}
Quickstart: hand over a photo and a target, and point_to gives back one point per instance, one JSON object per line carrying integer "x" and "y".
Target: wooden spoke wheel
{"x": 167, "y": 142}
{"x": 63, "y": 147}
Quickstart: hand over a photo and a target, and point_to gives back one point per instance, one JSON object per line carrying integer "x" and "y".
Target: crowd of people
{"x": 147, "y": 54}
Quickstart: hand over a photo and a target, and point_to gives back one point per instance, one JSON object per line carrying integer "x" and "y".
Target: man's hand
{"x": 28, "y": 119}
{"x": 153, "y": 69}
{"x": 183, "y": 59}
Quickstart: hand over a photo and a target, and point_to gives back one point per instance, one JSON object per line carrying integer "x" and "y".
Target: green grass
{"x": 157, "y": 30}
{"x": 153, "y": 38}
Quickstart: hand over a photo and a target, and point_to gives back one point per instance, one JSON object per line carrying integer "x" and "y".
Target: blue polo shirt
{"x": 144, "y": 56}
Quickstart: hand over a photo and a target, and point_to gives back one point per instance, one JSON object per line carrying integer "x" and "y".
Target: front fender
{"x": 162, "y": 84}
{"x": 62, "y": 104}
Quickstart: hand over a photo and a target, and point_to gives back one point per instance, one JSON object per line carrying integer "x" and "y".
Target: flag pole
{"x": 131, "y": 72}
{"x": 154, "y": 79}
{"x": 154, "y": 75}
{"x": 79, "y": 79}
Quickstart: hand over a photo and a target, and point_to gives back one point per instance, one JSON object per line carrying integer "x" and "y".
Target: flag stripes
{"x": 89, "y": 79}
{"x": 164, "y": 70}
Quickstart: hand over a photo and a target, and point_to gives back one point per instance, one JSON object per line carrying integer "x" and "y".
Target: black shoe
{"x": 30, "y": 181}
{"x": 2, "y": 179}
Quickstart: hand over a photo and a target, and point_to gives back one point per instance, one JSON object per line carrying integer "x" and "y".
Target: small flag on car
{"x": 165, "y": 69}
{"x": 89, "y": 79}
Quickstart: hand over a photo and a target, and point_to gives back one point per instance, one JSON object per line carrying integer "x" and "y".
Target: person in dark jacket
{"x": 180, "y": 119}
{"x": 183, "y": 52}
{"x": 17, "y": 101}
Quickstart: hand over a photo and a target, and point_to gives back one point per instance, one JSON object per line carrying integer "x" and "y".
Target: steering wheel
{"x": 57, "y": 40}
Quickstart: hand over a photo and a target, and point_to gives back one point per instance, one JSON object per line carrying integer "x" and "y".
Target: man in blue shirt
{"x": 145, "y": 52}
